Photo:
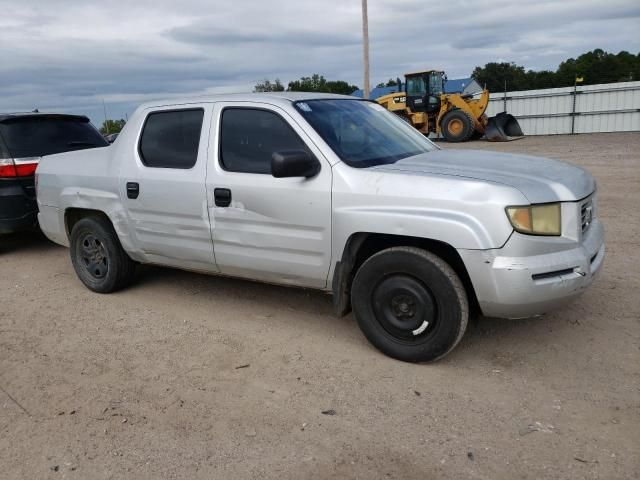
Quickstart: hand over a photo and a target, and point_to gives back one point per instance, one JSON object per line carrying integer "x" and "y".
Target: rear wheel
{"x": 457, "y": 126}
{"x": 97, "y": 256}
{"x": 410, "y": 304}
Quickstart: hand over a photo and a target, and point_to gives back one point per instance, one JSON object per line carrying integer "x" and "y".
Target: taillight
{"x": 18, "y": 167}
{"x": 7, "y": 168}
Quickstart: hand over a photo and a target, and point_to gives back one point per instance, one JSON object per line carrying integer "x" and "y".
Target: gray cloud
{"x": 206, "y": 33}
{"x": 72, "y": 56}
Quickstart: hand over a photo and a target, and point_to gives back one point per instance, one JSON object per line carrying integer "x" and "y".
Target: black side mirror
{"x": 294, "y": 163}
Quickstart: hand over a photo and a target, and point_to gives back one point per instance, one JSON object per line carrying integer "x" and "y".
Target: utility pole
{"x": 365, "y": 45}
{"x": 576, "y": 81}
{"x": 504, "y": 100}
{"x": 106, "y": 124}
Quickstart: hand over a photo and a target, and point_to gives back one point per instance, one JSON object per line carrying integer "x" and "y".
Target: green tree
{"x": 267, "y": 86}
{"x": 494, "y": 75}
{"x": 390, "y": 83}
{"x": 317, "y": 83}
{"x": 112, "y": 126}
{"x": 340, "y": 86}
{"x": 314, "y": 83}
{"x": 542, "y": 79}
{"x": 596, "y": 66}
{"x": 599, "y": 66}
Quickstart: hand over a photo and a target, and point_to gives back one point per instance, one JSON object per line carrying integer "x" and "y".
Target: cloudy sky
{"x": 70, "y": 55}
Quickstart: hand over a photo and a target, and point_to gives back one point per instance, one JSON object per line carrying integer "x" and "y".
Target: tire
{"x": 97, "y": 256}
{"x": 457, "y": 126}
{"x": 410, "y": 304}
{"x": 404, "y": 118}
{"x": 476, "y": 135}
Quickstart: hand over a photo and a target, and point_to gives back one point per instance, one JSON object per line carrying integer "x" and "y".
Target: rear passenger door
{"x": 272, "y": 229}
{"x": 163, "y": 187}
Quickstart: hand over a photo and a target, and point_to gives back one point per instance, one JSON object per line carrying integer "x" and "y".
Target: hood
{"x": 539, "y": 179}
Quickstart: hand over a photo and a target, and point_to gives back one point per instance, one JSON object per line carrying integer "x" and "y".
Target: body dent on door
{"x": 169, "y": 218}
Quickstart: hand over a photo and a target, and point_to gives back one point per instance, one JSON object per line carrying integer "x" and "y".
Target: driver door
{"x": 272, "y": 229}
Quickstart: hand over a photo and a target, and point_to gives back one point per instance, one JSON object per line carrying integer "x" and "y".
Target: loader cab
{"x": 423, "y": 91}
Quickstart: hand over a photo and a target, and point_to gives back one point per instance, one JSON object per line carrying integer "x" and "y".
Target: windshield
{"x": 43, "y": 135}
{"x": 363, "y": 134}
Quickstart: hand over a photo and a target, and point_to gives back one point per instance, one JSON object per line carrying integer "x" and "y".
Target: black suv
{"x": 24, "y": 138}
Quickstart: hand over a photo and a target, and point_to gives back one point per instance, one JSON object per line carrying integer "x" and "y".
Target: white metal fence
{"x": 610, "y": 107}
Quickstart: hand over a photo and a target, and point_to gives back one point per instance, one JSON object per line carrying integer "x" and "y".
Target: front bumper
{"x": 18, "y": 209}
{"x": 510, "y": 285}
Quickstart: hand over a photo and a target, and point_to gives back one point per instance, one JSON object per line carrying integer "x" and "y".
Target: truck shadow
{"x": 28, "y": 241}
{"x": 497, "y": 343}
{"x": 262, "y": 295}
{"x": 500, "y": 345}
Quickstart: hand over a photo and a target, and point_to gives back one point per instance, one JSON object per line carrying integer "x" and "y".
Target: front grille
{"x": 586, "y": 214}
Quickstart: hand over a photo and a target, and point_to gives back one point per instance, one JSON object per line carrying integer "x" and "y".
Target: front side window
{"x": 250, "y": 136}
{"x": 363, "y": 133}
{"x": 170, "y": 138}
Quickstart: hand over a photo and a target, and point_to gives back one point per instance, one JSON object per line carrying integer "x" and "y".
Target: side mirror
{"x": 294, "y": 163}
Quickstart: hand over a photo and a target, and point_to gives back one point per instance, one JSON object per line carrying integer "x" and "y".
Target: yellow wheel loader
{"x": 455, "y": 116}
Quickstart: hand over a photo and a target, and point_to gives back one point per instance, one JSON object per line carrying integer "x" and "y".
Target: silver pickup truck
{"x": 331, "y": 193}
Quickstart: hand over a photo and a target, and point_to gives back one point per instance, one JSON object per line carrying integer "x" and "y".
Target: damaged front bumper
{"x": 509, "y": 283}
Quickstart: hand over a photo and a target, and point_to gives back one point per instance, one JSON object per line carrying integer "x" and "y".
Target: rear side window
{"x": 170, "y": 139}
{"x": 38, "y": 136}
{"x": 249, "y": 136}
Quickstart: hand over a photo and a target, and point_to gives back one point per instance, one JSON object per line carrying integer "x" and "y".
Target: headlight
{"x": 536, "y": 219}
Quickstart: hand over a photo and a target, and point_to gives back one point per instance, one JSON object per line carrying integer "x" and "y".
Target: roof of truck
{"x": 248, "y": 97}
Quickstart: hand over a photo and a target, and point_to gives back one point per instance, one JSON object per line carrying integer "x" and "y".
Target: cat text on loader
{"x": 457, "y": 117}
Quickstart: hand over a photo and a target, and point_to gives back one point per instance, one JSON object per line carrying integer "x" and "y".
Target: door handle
{"x": 133, "y": 190}
{"x": 222, "y": 197}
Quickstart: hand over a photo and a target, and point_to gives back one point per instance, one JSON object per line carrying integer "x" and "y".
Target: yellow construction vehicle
{"x": 455, "y": 116}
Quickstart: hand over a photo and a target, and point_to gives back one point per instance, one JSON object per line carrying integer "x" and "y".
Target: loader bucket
{"x": 503, "y": 128}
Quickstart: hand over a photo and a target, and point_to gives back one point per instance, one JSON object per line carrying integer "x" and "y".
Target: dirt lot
{"x": 196, "y": 377}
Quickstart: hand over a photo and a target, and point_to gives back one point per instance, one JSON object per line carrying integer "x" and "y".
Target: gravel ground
{"x": 197, "y": 377}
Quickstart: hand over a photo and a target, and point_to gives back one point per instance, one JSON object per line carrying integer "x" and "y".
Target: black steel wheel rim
{"x": 94, "y": 256}
{"x": 404, "y": 307}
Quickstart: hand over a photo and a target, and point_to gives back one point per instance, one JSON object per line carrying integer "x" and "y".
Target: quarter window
{"x": 249, "y": 137}
{"x": 170, "y": 139}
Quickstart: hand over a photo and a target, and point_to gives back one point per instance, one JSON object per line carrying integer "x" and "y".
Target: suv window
{"x": 249, "y": 136}
{"x": 170, "y": 138}
{"x": 35, "y": 136}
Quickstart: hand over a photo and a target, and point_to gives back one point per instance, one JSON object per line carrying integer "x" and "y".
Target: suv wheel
{"x": 410, "y": 304}
{"x": 97, "y": 256}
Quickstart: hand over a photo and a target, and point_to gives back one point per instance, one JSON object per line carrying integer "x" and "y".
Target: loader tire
{"x": 457, "y": 126}
{"x": 404, "y": 118}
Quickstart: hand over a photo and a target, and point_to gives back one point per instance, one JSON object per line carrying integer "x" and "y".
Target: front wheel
{"x": 457, "y": 126}
{"x": 97, "y": 256}
{"x": 410, "y": 304}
